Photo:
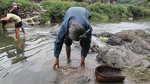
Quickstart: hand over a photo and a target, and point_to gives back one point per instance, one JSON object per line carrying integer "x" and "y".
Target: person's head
{"x": 75, "y": 31}
{"x": 14, "y": 4}
{"x": 3, "y": 24}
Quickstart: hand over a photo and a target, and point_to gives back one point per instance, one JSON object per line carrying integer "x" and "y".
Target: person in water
{"x": 14, "y": 10}
{"x": 75, "y": 27}
{"x": 13, "y": 18}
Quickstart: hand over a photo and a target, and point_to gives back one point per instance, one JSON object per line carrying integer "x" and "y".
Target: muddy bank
{"x": 132, "y": 54}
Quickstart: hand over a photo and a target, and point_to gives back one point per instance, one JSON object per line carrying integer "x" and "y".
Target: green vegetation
{"x": 106, "y": 11}
{"x": 35, "y": 19}
{"x": 139, "y": 11}
{"x": 5, "y": 6}
{"x": 130, "y": 1}
{"x": 29, "y": 21}
{"x": 144, "y": 3}
{"x": 100, "y": 12}
{"x": 56, "y": 10}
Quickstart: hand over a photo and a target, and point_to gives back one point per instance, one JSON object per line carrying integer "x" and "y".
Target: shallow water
{"x": 30, "y": 60}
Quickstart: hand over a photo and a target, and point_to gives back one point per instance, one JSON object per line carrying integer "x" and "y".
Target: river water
{"x": 30, "y": 60}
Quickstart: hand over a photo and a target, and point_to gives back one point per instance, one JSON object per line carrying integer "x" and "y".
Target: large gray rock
{"x": 130, "y": 35}
{"x": 117, "y": 56}
{"x": 128, "y": 53}
{"x": 139, "y": 46}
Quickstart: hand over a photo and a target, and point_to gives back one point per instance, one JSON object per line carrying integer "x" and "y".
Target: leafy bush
{"x": 112, "y": 11}
{"x": 29, "y": 21}
{"x": 5, "y": 6}
{"x": 99, "y": 11}
{"x": 56, "y": 10}
{"x": 44, "y": 19}
{"x": 35, "y": 19}
{"x": 139, "y": 11}
{"x": 99, "y": 17}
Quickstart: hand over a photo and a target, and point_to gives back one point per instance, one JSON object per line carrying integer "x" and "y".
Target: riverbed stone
{"x": 54, "y": 30}
{"x": 103, "y": 34}
{"x": 145, "y": 64}
{"x": 133, "y": 34}
{"x": 139, "y": 46}
{"x": 130, "y": 51}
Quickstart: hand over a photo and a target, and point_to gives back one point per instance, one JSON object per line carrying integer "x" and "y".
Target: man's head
{"x": 75, "y": 31}
{"x": 14, "y": 4}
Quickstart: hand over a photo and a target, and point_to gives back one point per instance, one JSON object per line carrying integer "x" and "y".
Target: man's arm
{"x": 57, "y": 47}
{"x": 59, "y": 42}
{"x": 85, "y": 44}
{"x": 5, "y": 19}
{"x": 13, "y": 8}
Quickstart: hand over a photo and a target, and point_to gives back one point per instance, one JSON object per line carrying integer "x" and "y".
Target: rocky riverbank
{"x": 33, "y": 17}
{"x": 132, "y": 55}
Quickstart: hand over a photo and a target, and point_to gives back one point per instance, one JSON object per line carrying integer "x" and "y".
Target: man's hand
{"x": 82, "y": 62}
{"x": 56, "y": 63}
{"x": 13, "y": 8}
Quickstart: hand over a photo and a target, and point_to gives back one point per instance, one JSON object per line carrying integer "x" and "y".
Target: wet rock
{"x": 94, "y": 48}
{"x": 54, "y": 30}
{"x": 129, "y": 35}
{"x": 83, "y": 80}
{"x": 145, "y": 64}
{"x": 114, "y": 40}
{"x": 139, "y": 46}
{"x": 104, "y": 34}
{"x": 126, "y": 53}
{"x": 116, "y": 56}
{"x": 48, "y": 23}
{"x": 31, "y": 21}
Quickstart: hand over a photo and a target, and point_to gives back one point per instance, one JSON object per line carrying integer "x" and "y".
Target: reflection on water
{"x": 13, "y": 49}
{"x": 19, "y": 52}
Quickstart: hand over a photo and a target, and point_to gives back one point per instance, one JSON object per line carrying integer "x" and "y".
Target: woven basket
{"x": 108, "y": 74}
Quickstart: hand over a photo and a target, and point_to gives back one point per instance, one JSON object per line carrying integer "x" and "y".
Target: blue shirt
{"x": 74, "y": 14}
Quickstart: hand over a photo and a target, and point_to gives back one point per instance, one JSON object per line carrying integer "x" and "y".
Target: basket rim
{"x": 100, "y": 74}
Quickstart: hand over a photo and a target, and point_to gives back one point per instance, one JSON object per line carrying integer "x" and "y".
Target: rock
{"x": 104, "y": 34}
{"x": 94, "y": 48}
{"x": 129, "y": 35}
{"x": 32, "y": 20}
{"x": 114, "y": 40}
{"x": 48, "y": 23}
{"x": 130, "y": 18}
{"x": 83, "y": 80}
{"x": 139, "y": 46}
{"x": 133, "y": 55}
{"x": 116, "y": 56}
{"x": 145, "y": 64}
{"x": 54, "y": 30}
{"x": 127, "y": 53}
